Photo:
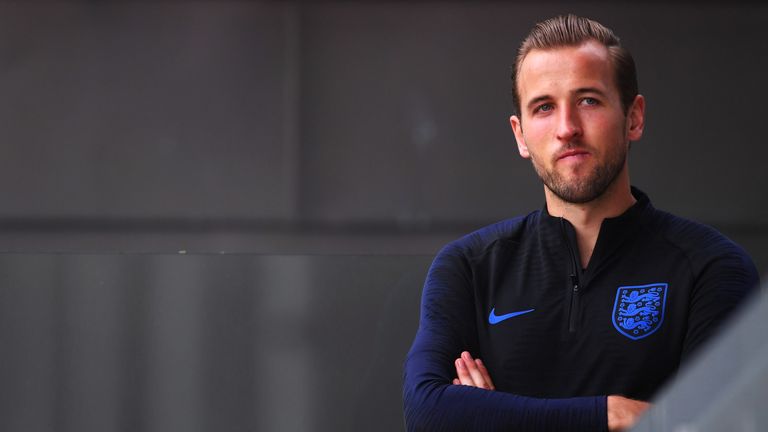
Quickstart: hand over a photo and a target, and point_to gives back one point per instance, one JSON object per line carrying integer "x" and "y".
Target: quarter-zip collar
{"x": 613, "y": 232}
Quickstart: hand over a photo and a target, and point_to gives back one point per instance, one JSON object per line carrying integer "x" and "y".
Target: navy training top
{"x": 556, "y": 338}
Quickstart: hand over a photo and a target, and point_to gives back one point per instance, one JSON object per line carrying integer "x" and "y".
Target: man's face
{"x": 572, "y": 125}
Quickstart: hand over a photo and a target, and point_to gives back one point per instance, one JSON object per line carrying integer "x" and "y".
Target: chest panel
{"x": 616, "y": 344}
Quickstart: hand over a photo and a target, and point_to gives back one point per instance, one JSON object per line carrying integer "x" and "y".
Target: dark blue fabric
{"x": 554, "y": 366}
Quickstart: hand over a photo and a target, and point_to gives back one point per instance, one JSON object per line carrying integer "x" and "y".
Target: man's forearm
{"x": 622, "y": 413}
{"x": 433, "y": 403}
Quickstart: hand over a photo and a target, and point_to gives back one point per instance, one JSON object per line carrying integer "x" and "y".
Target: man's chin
{"x": 576, "y": 193}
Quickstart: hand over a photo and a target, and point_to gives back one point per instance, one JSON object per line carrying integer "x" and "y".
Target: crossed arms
{"x": 622, "y": 413}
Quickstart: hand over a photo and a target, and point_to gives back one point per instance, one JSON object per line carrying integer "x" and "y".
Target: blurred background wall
{"x": 342, "y": 127}
{"x": 329, "y": 149}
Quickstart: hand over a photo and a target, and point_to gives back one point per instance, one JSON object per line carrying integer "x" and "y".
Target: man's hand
{"x": 472, "y": 372}
{"x": 623, "y": 413}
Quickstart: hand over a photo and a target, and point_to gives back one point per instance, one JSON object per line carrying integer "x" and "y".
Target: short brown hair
{"x": 571, "y": 30}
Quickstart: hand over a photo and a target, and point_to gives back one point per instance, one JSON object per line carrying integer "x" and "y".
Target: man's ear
{"x": 517, "y": 128}
{"x": 636, "y": 119}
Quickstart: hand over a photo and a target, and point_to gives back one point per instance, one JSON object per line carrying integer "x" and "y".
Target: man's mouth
{"x": 573, "y": 154}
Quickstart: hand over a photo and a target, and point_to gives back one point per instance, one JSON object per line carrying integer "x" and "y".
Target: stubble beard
{"x": 587, "y": 188}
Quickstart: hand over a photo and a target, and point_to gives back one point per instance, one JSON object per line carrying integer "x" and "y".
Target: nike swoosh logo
{"x": 495, "y": 319}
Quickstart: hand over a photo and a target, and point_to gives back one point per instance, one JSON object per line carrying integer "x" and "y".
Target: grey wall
{"x": 341, "y": 126}
{"x": 148, "y": 342}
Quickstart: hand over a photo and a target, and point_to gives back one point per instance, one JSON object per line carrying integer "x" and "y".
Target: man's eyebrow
{"x": 583, "y": 90}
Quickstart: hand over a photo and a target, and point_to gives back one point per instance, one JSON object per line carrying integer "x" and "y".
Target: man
{"x": 582, "y": 310}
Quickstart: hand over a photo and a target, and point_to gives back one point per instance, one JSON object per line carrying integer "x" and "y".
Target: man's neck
{"x": 587, "y": 218}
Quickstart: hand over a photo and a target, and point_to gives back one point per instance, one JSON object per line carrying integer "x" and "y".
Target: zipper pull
{"x": 574, "y": 304}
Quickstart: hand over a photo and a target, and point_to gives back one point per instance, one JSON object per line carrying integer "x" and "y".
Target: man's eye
{"x": 589, "y": 101}
{"x": 543, "y": 108}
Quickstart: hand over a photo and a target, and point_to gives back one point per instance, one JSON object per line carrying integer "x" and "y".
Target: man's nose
{"x": 568, "y": 124}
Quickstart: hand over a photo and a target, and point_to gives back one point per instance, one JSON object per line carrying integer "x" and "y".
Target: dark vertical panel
{"x": 91, "y": 334}
{"x": 30, "y": 367}
{"x": 175, "y": 350}
{"x": 134, "y": 318}
{"x": 361, "y": 324}
{"x": 231, "y": 376}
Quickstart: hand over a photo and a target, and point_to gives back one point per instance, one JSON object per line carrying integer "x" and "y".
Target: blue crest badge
{"x": 639, "y": 310}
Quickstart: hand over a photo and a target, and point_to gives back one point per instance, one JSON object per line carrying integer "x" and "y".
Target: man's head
{"x": 571, "y": 30}
{"x": 575, "y": 119}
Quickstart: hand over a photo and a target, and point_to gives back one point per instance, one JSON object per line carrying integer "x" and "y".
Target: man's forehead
{"x": 588, "y": 64}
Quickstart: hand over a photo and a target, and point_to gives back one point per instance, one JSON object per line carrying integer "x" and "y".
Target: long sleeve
{"x": 447, "y": 327}
{"x": 725, "y": 277}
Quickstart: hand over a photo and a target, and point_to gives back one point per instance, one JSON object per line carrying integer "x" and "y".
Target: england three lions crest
{"x": 639, "y": 310}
